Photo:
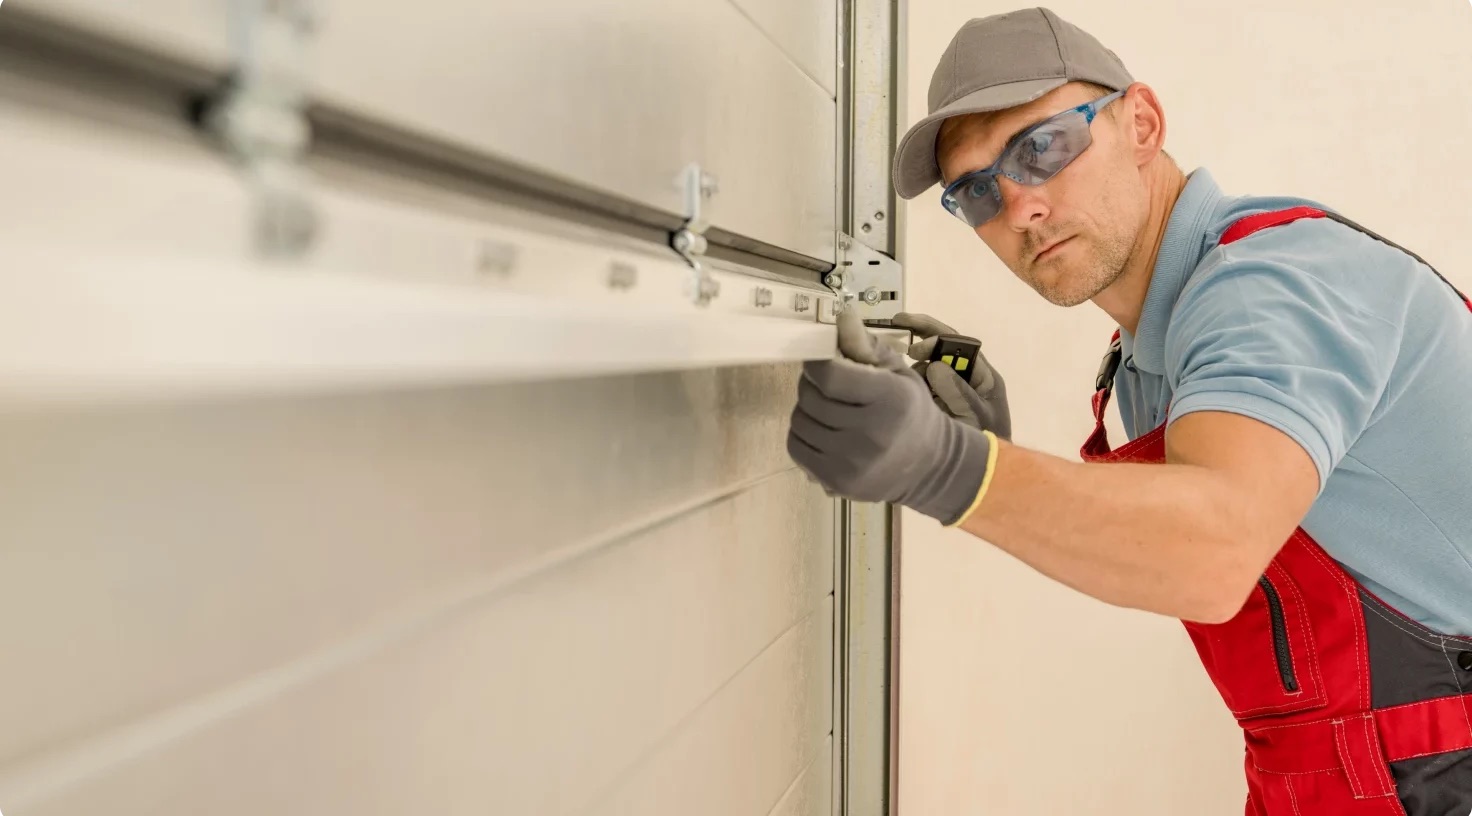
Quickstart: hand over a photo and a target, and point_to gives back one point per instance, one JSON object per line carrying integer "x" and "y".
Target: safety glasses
{"x": 1034, "y": 156}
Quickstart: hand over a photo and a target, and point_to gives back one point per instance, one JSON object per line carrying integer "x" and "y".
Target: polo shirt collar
{"x": 1180, "y": 250}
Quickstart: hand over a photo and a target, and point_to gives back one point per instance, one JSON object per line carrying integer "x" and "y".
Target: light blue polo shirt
{"x": 1355, "y": 350}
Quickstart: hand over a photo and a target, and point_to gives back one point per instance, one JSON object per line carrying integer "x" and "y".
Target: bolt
{"x": 834, "y": 280}
{"x": 879, "y": 216}
{"x": 866, "y": 228}
{"x": 497, "y": 258}
{"x": 871, "y": 295}
{"x": 286, "y": 225}
{"x": 622, "y": 275}
{"x": 703, "y": 288}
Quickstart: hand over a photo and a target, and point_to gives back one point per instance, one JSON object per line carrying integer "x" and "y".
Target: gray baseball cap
{"x": 1000, "y": 62}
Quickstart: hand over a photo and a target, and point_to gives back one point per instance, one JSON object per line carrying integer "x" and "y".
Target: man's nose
{"x": 1023, "y": 205}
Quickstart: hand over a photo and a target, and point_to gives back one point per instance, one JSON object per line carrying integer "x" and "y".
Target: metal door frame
{"x": 872, "y": 36}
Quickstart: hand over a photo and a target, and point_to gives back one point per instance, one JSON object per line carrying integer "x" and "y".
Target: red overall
{"x": 1347, "y": 706}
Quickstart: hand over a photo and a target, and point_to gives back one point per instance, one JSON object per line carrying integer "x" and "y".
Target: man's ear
{"x": 1145, "y": 127}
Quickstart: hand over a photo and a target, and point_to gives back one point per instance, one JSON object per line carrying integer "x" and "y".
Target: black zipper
{"x": 1280, "y": 634}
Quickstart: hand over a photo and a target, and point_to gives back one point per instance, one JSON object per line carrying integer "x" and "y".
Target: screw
{"x": 834, "y": 280}
{"x": 866, "y": 228}
{"x": 871, "y": 295}
{"x": 879, "y": 216}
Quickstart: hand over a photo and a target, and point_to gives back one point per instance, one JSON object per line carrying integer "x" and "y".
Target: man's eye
{"x": 980, "y": 188}
{"x": 1039, "y": 143}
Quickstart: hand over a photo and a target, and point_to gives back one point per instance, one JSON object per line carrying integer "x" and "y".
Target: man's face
{"x": 1070, "y": 237}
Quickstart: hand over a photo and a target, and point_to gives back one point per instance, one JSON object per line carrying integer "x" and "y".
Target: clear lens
{"x": 1042, "y": 152}
{"x": 1035, "y": 157}
{"x": 974, "y": 200}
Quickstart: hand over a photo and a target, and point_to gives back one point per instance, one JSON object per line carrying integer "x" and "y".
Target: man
{"x": 1298, "y": 394}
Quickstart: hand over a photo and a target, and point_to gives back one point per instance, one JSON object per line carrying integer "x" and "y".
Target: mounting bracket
{"x": 867, "y": 280}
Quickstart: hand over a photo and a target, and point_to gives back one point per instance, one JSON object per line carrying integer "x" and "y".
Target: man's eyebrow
{"x": 1018, "y": 132}
{"x": 1015, "y": 134}
{"x": 1025, "y": 128}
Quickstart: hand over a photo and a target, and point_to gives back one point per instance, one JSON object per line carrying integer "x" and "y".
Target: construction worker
{"x": 1298, "y": 396}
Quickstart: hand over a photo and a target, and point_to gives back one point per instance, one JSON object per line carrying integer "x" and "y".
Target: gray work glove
{"x": 867, "y": 428}
{"x": 980, "y": 400}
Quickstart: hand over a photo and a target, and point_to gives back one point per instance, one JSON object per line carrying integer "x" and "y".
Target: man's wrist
{"x": 986, "y": 481}
{"x": 954, "y": 487}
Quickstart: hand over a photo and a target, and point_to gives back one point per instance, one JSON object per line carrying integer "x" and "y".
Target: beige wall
{"x": 1019, "y": 696}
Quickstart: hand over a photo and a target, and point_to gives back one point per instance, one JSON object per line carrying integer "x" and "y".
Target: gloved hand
{"x": 867, "y": 428}
{"x": 980, "y": 401}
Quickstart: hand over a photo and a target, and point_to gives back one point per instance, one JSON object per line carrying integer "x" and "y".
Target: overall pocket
{"x": 1264, "y": 661}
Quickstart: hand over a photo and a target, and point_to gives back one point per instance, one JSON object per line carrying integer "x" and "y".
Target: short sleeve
{"x": 1264, "y": 339}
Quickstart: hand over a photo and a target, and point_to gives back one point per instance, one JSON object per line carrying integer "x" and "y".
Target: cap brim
{"x": 915, "y": 166}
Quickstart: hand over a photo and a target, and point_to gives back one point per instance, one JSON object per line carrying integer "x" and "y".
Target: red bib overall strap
{"x": 1348, "y": 708}
{"x": 1097, "y": 445}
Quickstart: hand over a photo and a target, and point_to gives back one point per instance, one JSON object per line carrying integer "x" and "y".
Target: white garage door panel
{"x": 805, "y": 30}
{"x": 615, "y": 96}
{"x": 180, "y": 549}
{"x": 540, "y": 701}
{"x": 812, "y": 793}
{"x": 743, "y": 750}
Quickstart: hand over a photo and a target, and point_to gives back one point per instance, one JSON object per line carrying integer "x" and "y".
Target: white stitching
{"x": 1463, "y": 693}
{"x": 1407, "y": 706}
{"x": 1308, "y": 635}
{"x": 1354, "y": 779}
{"x": 1377, "y": 752}
{"x": 1397, "y": 616}
{"x": 1132, "y": 448}
{"x": 1361, "y": 641}
{"x": 1295, "y": 773}
{"x": 1284, "y": 708}
{"x": 1393, "y": 802}
{"x": 1292, "y": 797}
{"x": 1400, "y": 624}
{"x": 1311, "y": 657}
{"x": 1429, "y": 753}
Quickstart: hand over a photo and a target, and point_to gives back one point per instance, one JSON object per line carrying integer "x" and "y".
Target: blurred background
{"x": 393, "y": 403}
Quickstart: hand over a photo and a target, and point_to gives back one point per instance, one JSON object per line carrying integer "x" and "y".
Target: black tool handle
{"x": 957, "y": 351}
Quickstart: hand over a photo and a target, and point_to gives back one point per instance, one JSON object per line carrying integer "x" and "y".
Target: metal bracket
{"x": 689, "y": 241}
{"x": 864, "y": 279}
{"x": 261, "y": 117}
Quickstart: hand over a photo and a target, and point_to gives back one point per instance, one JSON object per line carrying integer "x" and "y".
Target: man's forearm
{"x": 1163, "y": 538}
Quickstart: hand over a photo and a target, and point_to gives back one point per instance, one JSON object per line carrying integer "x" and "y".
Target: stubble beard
{"x": 1096, "y": 266}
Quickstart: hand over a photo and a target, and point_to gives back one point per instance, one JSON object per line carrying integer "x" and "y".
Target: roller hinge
{"x": 260, "y": 117}
{"x": 689, "y": 241}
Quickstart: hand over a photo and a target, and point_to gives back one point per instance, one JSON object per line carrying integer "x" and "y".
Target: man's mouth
{"x": 1050, "y": 250}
